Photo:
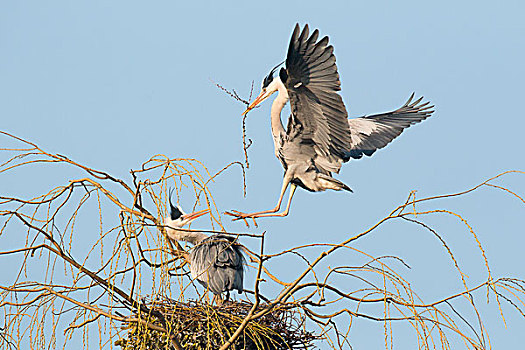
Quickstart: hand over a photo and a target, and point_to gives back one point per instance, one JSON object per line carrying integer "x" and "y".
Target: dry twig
{"x": 61, "y": 286}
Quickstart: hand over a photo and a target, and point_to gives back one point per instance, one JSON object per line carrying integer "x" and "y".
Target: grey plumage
{"x": 215, "y": 261}
{"x": 318, "y": 133}
{"x": 218, "y": 264}
{"x": 318, "y": 128}
{"x": 319, "y": 137}
{"x": 373, "y": 132}
{"x": 319, "y": 116}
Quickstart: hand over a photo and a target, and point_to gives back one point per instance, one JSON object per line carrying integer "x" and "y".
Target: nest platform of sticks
{"x": 202, "y": 326}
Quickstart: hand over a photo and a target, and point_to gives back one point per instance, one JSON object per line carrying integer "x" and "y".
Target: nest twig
{"x": 203, "y": 326}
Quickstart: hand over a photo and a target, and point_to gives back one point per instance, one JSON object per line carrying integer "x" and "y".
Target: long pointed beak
{"x": 192, "y": 216}
{"x": 258, "y": 100}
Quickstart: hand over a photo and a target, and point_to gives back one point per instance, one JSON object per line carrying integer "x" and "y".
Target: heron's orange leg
{"x": 217, "y": 299}
{"x": 286, "y": 211}
{"x": 240, "y": 215}
{"x": 271, "y": 212}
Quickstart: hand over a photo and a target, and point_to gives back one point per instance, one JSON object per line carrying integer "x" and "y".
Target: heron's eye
{"x": 175, "y": 213}
{"x": 267, "y": 80}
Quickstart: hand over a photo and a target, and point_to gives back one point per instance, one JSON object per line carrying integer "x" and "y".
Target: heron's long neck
{"x": 277, "y": 107}
{"x": 186, "y": 236}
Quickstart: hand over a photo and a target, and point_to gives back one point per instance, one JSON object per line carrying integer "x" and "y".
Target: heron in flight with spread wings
{"x": 319, "y": 137}
{"x": 216, "y": 261}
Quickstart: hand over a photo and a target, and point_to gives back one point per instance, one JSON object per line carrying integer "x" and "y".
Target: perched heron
{"x": 216, "y": 261}
{"x": 319, "y": 137}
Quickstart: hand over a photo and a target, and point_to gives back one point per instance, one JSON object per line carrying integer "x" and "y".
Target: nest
{"x": 203, "y": 326}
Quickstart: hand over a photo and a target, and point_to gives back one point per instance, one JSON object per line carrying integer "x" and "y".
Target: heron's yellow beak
{"x": 262, "y": 96}
{"x": 194, "y": 215}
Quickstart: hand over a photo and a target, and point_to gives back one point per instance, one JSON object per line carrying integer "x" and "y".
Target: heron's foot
{"x": 237, "y": 215}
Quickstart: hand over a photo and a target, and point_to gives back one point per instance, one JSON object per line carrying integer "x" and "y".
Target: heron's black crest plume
{"x": 269, "y": 78}
{"x": 175, "y": 212}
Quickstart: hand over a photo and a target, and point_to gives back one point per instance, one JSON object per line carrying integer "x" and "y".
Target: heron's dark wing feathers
{"x": 218, "y": 263}
{"x": 318, "y": 113}
{"x": 373, "y": 132}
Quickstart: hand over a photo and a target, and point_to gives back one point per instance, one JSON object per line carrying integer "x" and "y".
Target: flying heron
{"x": 319, "y": 137}
{"x": 216, "y": 261}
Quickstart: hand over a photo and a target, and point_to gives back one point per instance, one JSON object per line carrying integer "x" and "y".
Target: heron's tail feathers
{"x": 329, "y": 183}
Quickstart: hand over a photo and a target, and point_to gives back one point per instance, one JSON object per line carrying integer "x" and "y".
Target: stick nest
{"x": 202, "y": 326}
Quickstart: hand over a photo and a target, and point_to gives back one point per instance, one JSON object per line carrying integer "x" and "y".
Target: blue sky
{"x": 111, "y": 84}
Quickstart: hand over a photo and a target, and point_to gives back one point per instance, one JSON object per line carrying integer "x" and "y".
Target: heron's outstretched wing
{"x": 318, "y": 115}
{"x": 373, "y": 132}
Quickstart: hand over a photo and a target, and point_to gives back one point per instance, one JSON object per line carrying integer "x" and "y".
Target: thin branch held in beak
{"x": 254, "y": 104}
